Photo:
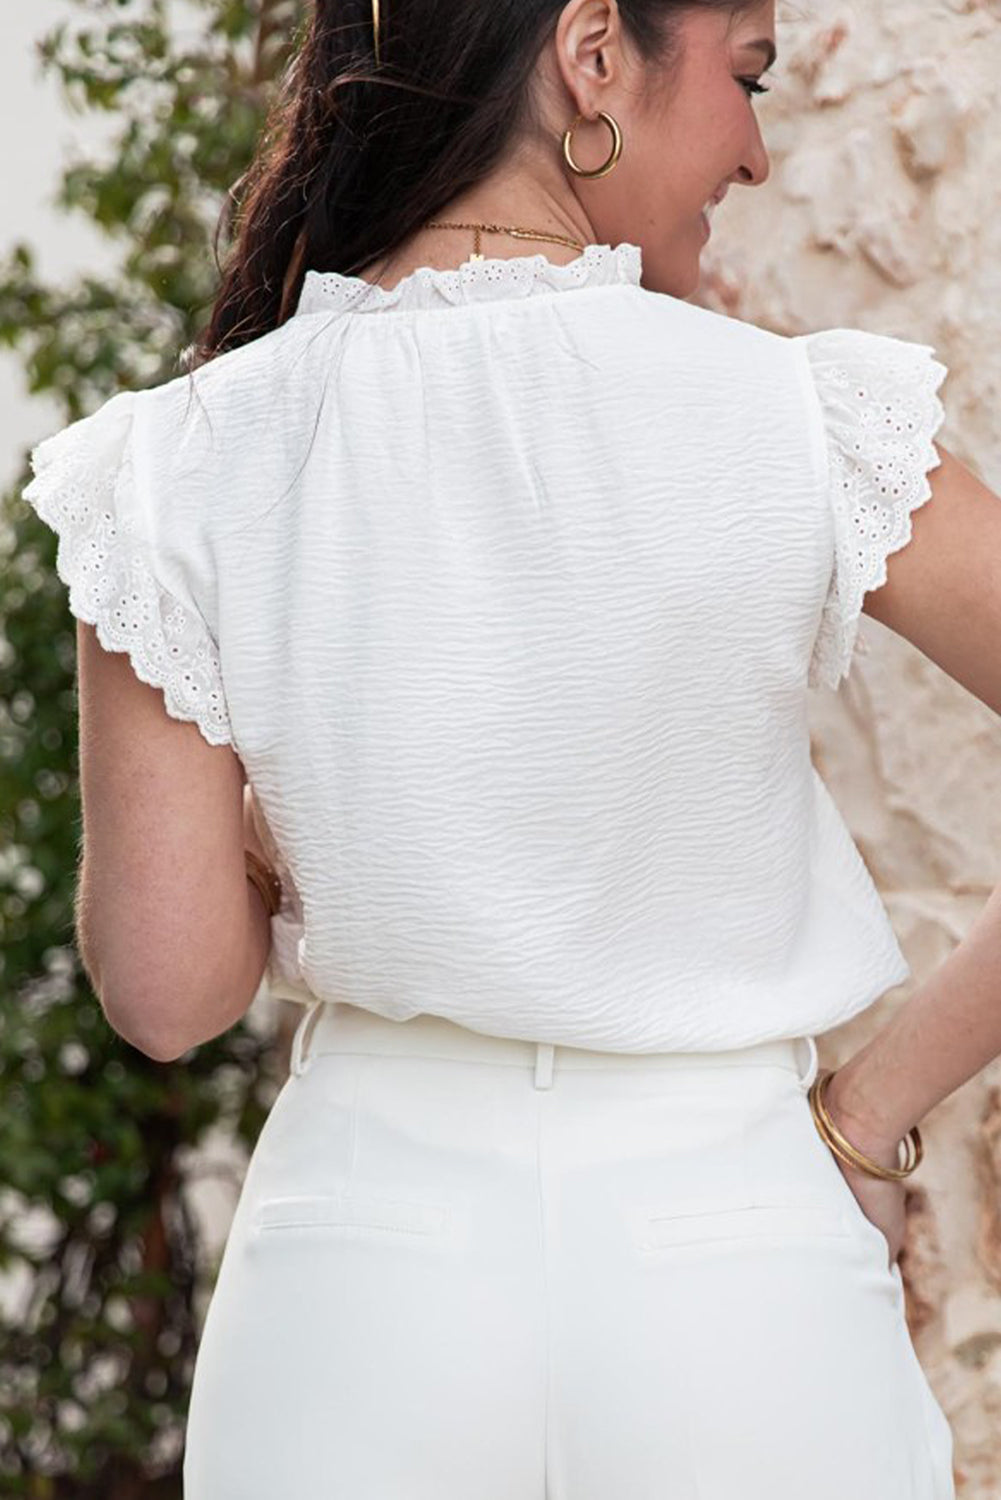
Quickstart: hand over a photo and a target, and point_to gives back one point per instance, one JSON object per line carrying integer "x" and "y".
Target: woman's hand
{"x": 882, "y": 1201}
{"x": 256, "y": 833}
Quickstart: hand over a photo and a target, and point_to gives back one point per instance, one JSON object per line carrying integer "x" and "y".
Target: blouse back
{"x": 508, "y": 586}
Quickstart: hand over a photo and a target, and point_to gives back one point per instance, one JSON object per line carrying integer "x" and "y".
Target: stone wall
{"x": 881, "y": 212}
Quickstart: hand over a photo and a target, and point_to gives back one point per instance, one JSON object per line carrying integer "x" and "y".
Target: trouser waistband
{"x": 332, "y": 1026}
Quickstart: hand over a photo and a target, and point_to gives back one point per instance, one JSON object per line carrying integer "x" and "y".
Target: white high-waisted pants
{"x": 466, "y": 1267}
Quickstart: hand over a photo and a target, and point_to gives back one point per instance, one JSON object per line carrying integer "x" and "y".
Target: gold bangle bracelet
{"x": 266, "y": 881}
{"x": 844, "y": 1148}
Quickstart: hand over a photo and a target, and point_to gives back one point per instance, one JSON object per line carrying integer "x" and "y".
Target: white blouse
{"x": 508, "y": 586}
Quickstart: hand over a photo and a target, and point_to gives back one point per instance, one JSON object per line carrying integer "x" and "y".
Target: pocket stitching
{"x": 748, "y": 1220}
{"x": 352, "y": 1211}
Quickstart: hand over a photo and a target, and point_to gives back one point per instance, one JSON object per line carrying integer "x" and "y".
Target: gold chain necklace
{"x": 522, "y": 234}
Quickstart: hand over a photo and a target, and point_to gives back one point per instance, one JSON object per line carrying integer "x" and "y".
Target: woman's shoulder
{"x": 715, "y": 342}
{"x": 225, "y": 405}
{"x": 704, "y": 324}
{"x": 228, "y": 376}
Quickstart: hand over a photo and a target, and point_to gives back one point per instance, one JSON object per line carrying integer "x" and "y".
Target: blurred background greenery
{"x": 103, "y": 1273}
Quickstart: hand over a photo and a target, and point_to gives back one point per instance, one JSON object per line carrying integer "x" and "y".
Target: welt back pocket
{"x": 699, "y": 1225}
{"x": 351, "y": 1210}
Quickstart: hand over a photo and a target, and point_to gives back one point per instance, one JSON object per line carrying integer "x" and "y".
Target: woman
{"x": 500, "y": 573}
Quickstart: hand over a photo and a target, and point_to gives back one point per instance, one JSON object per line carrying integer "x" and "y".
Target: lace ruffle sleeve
{"x": 880, "y": 411}
{"x": 85, "y": 489}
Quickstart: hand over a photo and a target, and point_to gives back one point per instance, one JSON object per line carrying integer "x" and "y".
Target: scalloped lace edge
{"x": 858, "y": 572}
{"x": 100, "y": 558}
{"x": 429, "y": 286}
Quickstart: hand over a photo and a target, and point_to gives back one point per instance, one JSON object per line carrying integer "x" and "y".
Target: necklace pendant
{"x": 474, "y": 256}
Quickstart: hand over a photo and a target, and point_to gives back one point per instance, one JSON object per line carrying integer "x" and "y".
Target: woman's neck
{"x": 523, "y": 203}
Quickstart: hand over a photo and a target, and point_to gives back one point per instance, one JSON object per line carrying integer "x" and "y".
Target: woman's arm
{"x": 172, "y": 934}
{"x": 942, "y": 593}
{"x": 947, "y": 1031}
{"x": 943, "y": 588}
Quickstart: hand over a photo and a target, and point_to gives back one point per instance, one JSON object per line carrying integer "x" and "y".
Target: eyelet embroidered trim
{"x": 83, "y": 489}
{"x": 487, "y": 280}
{"x": 881, "y": 413}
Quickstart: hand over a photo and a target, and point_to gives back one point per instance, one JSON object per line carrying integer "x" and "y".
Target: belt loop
{"x": 543, "y": 1065}
{"x": 298, "y": 1060}
{"x": 806, "y": 1079}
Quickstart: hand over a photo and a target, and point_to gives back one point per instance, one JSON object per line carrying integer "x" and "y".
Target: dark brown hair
{"x": 354, "y": 157}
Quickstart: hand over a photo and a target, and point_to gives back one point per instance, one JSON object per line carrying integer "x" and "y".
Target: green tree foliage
{"x": 103, "y": 1278}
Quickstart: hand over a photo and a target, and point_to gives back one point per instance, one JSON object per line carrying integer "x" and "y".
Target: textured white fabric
{"x": 86, "y": 489}
{"x": 880, "y": 410}
{"x": 508, "y": 586}
{"x": 453, "y": 1274}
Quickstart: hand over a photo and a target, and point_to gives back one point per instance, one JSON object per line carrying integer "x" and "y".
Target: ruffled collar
{"x": 487, "y": 280}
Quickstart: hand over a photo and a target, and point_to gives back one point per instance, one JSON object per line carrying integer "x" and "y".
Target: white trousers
{"x": 466, "y": 1267}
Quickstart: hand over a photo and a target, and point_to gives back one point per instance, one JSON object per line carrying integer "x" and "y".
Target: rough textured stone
{"x": 880, "y": 214}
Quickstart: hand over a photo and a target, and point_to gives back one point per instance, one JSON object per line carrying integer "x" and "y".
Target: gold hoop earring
{"x": 614, "y": 155}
